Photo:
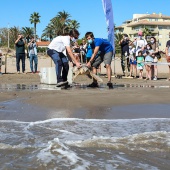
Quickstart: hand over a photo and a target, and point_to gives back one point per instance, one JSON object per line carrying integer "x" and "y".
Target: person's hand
{"x": 19, "y": 36}
{"x": 88, "y": 64}
{"x": 78, "y": 65}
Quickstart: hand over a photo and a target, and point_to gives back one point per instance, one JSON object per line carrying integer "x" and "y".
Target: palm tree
{"x": 147, "y": 32}
{"x": 27, "y": 32}
{"x": 118, "y": 37}
{"x": 73, "y": 24}
{"x": 61, "y": 24}
{"x": 48, "y": 32}
{"x": 35, "y": 19}
{"x": 64, "y": 19}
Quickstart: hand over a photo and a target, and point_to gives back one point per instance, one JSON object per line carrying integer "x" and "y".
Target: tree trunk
{"x": 35, "y": 31}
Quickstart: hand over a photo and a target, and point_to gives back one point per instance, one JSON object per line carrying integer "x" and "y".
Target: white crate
{"x": 48, "y": 75}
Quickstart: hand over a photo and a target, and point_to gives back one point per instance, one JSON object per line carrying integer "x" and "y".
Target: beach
{"x": 43, "y": 127}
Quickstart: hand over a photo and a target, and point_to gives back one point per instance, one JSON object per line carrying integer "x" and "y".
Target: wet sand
{"x": 129, "y": 99}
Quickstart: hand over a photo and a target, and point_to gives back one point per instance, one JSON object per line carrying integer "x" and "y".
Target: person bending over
{"x": 58, "y": 50}
{"x": 106, "y": 53}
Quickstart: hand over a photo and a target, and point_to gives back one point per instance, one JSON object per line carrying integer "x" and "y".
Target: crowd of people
{"x": 135, "y": 55}
{"x": 140, "y": 54}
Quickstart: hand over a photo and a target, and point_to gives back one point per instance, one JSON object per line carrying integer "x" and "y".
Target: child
{"x": 148, "y": 60}
{"x": 133, "y": 62}
{"x": 140, "y": 64}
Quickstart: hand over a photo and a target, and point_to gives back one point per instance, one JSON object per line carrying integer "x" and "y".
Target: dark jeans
{"x": 61, "y": 64}
{"x": 20, "y": 56}
{"x": 33, "y": 58}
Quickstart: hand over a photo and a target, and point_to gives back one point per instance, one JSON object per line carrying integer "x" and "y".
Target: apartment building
{"x": 158, "y": 24}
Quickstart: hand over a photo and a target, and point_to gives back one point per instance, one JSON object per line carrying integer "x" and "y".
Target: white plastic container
{"x": 48, "y": 75}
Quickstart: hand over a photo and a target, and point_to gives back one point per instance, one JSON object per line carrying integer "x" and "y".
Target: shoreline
{"x": 140, "y": 100}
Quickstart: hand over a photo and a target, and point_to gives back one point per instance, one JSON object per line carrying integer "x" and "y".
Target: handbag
{"x": 158, "y": 55}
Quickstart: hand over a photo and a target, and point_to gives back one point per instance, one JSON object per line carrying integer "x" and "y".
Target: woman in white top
{"x": 58, "y": 50}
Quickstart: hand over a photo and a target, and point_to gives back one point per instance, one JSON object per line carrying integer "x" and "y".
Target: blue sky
{"x": 89, "y": 13}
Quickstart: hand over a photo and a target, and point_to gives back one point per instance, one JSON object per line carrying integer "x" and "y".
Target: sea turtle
{"x": 84, "y": 70}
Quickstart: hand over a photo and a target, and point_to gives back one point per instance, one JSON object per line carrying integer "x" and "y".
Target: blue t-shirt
{"x": 89, "y": 51}
{"x": 103, "y": 44}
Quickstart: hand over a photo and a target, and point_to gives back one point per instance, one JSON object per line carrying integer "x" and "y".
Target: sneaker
{"x": 0, "y": 73}
{"x": 93, "y": 85}
{"x": 62, "y": 83}
{"x": 155, "y": 78}
{"x": 18, "y": 72}
{"x": 110, "y": 85}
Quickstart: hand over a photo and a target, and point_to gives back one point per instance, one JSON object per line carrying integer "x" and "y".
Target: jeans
{"x": 20, "y": 56}
{"x": 33, "y": 58}
{"x": 61, "y": 64}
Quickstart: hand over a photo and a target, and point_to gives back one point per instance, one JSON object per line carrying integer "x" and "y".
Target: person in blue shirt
{"x": 89, "y": 52}
{"x": 106, "y": 53}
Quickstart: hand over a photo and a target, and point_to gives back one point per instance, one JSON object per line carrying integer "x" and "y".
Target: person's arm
{"x": 70, "y": 53}
{"x": 30, "y": 43}
{"x": 120, "y": 42}
{"x": 96, "y": 50}
{"x": 17, "y": 39}
{"x": 166, "y": 51}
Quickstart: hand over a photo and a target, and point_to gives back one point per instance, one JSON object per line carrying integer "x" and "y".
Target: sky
{"x": 89, "y": 13}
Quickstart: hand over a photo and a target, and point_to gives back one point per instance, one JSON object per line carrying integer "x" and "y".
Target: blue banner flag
{"x": 108, "y": 11}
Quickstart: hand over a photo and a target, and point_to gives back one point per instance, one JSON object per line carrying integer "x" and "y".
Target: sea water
{"x": 80, "y": 144}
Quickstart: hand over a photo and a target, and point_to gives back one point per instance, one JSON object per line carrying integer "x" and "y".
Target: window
{"x": 156, "y": 19}
{"x": 160, "y": 27}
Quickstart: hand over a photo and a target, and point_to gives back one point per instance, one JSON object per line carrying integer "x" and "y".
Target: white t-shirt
{"x": 131, "y": 52}
{"x": 140, "y": 44}
{"x": 59, "y": 43}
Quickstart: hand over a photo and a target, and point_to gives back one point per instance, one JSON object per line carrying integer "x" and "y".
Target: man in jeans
{"x": 124, "y": 43}
{"x": 32, "y": 47}
{"x": 20, "y": 53}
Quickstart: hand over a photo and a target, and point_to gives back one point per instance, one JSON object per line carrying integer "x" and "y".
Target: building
{"x": 158, "y": 24}
{"x": 42, "y": 44}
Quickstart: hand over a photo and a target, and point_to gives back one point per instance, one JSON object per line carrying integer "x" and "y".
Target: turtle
{"x": 84, "y": 70}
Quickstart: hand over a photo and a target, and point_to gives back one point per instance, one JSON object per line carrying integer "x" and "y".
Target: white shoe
{"x": 155, "y": 78}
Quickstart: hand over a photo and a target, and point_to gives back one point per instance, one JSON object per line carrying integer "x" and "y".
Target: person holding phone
{"x": 20, "y": 53}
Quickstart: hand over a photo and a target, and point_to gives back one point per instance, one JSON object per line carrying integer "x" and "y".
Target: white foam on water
{"x": 137, "y": 142}
{"x": 56, "y": 150}
{"x": 52, "y": 140}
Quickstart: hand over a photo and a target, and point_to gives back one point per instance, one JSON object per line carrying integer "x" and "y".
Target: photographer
{"x": 32, "y": 48}
{"x": 124, "y": 43}
{"x": 20, "y": 53}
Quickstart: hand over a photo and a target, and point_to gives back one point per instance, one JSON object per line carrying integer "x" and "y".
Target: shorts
{"x": 106, "y": 58}
{"x": 134, "y": 62}
{"x": 140, "y": 67}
